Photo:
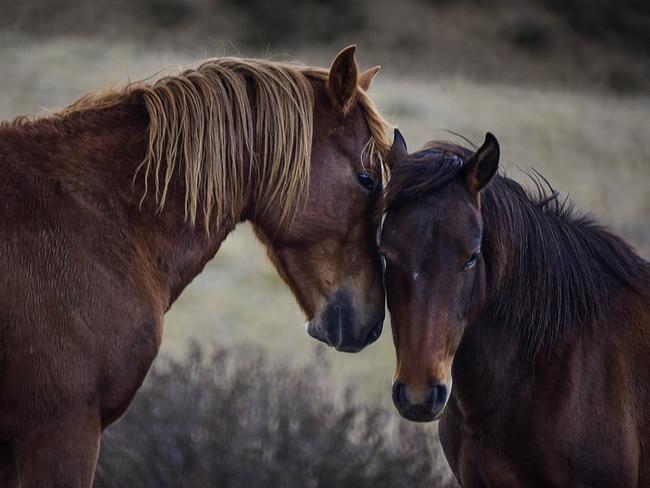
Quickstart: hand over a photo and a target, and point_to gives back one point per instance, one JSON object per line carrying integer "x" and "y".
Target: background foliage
{"x": 232, "y": 419}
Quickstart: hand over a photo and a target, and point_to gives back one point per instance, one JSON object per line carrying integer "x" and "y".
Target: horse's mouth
{"x": 419, "y": 413}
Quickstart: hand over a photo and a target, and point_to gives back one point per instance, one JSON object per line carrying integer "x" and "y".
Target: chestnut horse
{"x": 540, "y": 315}
{"x": 111, "y": 207}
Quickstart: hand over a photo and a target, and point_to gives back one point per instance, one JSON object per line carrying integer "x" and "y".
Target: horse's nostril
{"x": 424, "y": 406}
{"x": 399, "y": 395}
{"x": 317, "y": 333}
{"x": 438, "y": 397}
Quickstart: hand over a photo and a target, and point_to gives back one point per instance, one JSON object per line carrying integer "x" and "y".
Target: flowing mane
{"x": 205, "y": 122}
{"x": 549, "y": 268}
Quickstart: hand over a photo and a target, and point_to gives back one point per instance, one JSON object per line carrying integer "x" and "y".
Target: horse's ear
{"x": 398, "y": 151}
{"x": 365, "y": 80}
{"x": 343, "y": 79}
{"x": 482, "y": 165}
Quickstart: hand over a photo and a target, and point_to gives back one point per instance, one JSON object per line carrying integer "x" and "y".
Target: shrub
{"x": 236, "y": 419}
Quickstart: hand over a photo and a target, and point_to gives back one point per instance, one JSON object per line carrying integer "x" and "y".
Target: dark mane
{"x": 550, "y": 269}
{"x": 423, "y": 172}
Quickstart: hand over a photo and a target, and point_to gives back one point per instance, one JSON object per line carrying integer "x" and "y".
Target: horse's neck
{"x": 94, "y": 156}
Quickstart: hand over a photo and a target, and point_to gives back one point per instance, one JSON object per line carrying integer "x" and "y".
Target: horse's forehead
{"x": 409, "y": 224}
{"x": 351, "y": 128}
{"x": 452, "y": 213}
{"x": 444, "y": 213}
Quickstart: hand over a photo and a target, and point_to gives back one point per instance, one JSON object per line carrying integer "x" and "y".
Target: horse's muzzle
{"x": 421, "y": 408}
{"x": 338, "y": 326}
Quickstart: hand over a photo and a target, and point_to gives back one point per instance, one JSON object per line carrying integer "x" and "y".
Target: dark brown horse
{"x": 111, "y": 207}
{"x": 541, "y": 316}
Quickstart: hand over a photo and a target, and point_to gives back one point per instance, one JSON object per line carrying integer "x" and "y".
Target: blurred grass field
{"x": 593, "y": 146}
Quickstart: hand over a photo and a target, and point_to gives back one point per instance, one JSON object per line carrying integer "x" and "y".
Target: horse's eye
{"x": 367, "y": 181}
{"x": 473, "y": 259}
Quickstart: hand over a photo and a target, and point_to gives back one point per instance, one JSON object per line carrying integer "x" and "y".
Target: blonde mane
{"x": 204, "y": 123}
